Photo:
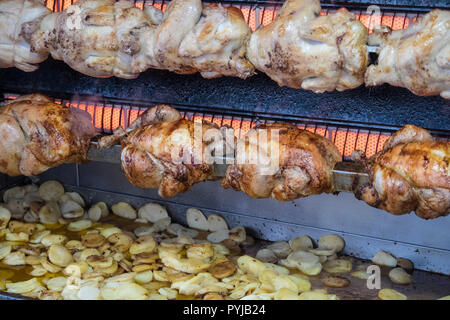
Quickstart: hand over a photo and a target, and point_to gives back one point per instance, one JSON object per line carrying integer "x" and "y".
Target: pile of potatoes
{"x": 67, "y": 252}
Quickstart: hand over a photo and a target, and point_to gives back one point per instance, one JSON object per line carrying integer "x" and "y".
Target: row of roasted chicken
{"x": 411, "y": 173}
{"x": 299, "y": 49}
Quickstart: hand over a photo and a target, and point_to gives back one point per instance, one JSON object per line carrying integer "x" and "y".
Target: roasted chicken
{"x": 208, "y": 39}
{"x": 104, "y": 38}
{"x": 283, "y": 162}
{"x": 301, "y": 49}
{"x": 100, "y": 38}
{"x": 417, "y": 58}
{"x": 18, "y": 20}
{"x": 37, "y": 134}
{"x": 171, "y": 155}
{"x": 411, "y": 173}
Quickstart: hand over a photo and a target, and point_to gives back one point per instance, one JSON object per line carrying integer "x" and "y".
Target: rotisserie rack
{"x": 349, "y": 99}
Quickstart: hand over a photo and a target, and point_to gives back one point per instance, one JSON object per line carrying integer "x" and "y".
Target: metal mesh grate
{"x": 257, "y": 13}
{"x": 109, "y": 115}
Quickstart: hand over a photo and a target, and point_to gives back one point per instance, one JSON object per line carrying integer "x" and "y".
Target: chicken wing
{"x": 301, "y": 49}
{"x": 283, "y": 162}
{"x": 411, "y": 173}
{"x": 99, "y": 38}
{"x": 170, "y": 156}
{"x": 18, "y": 20}
{"x": 417, "y": 58}
{"x": 37, "y": 134}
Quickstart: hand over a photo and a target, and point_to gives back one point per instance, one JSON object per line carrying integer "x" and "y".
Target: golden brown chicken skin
{"x": 411, "y": 173}
{"x": 37, "y": 134}
{"x": 167, "y": 156}
{"x": 301, "y": 167}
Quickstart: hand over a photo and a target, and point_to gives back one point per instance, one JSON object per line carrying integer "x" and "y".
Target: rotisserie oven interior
{"x": 225, "y": 149}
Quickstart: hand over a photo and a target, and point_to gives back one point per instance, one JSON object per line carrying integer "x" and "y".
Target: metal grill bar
{"x": 108, "y": 116}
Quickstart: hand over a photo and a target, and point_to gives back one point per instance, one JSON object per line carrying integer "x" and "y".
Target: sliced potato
{"x": 51, "y": 190}
{"x": 5, "y": 216}
{"x": 361, "y": 275}
{"x": 162, "y": 224}
{"x": 5, "y": 249}
{"x": 143, "y": 244}
{"x": 23, "y": 286}
{"x": 89, "y": 293}
{"x": 92, "y": 240}
{"x": 250, "y": 265}
{"x": 331, "y": 241}
{"x": 281, "y": 249}
{"x": 144, "y": 277}
{"x": 390, "y": 294}
{"x": 337, "y": 266}
{"x": 49, "y": 213}
{"x": 79, "y": 225}
{"x": 178, "y": 230}
{"x": 71, "y": 209}
{"x": 335, "y": 282}
{"x": 301, "y": 243}
{"x": 16, "y": 258}
{"x": 14, "y": 193}
{"x": 216, "y": 223}
{"x": 196, "y": 219}
{"x": 75, "y": 196}
{"x": 222, "y": 269}
{"x": 383, "y": 258}
{"x": 17, "y": 227}
{"x": 59, "y": 255}
{"x": 266, "y": 255}
{"x": 123, "y": 291}
{"x": 152, "y": 212}
{"x": 200, "y": 251}
{"x": 124, "y": 210}
{"x": 399, "y": 276}
{"x": 218, "y": 236}
{"x": 57, "y": 284}
{"x": 52, "y": 239}
{"x": 237, "y": 234}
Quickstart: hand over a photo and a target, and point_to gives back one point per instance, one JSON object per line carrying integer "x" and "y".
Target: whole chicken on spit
{"x": 301, "y": 49}
{"x": 209, "y": 39}
{"x": 411, "y": 173}
{"x": 417, "y": 58}
{"x": 37, "y": 134}
{"x": 286, "y": 164}
{"x": 100, "y": 38}
{"x": 18, "y": 20}
{"x": 167, "y": 152}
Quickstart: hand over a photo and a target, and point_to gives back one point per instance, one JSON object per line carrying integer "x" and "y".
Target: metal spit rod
{"x": 347, "y": 175}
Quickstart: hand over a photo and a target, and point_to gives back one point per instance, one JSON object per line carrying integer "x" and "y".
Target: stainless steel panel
{"x": 365, "y": 229}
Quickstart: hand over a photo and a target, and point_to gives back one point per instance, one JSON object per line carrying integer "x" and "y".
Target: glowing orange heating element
{"x": 264, "y": 16}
